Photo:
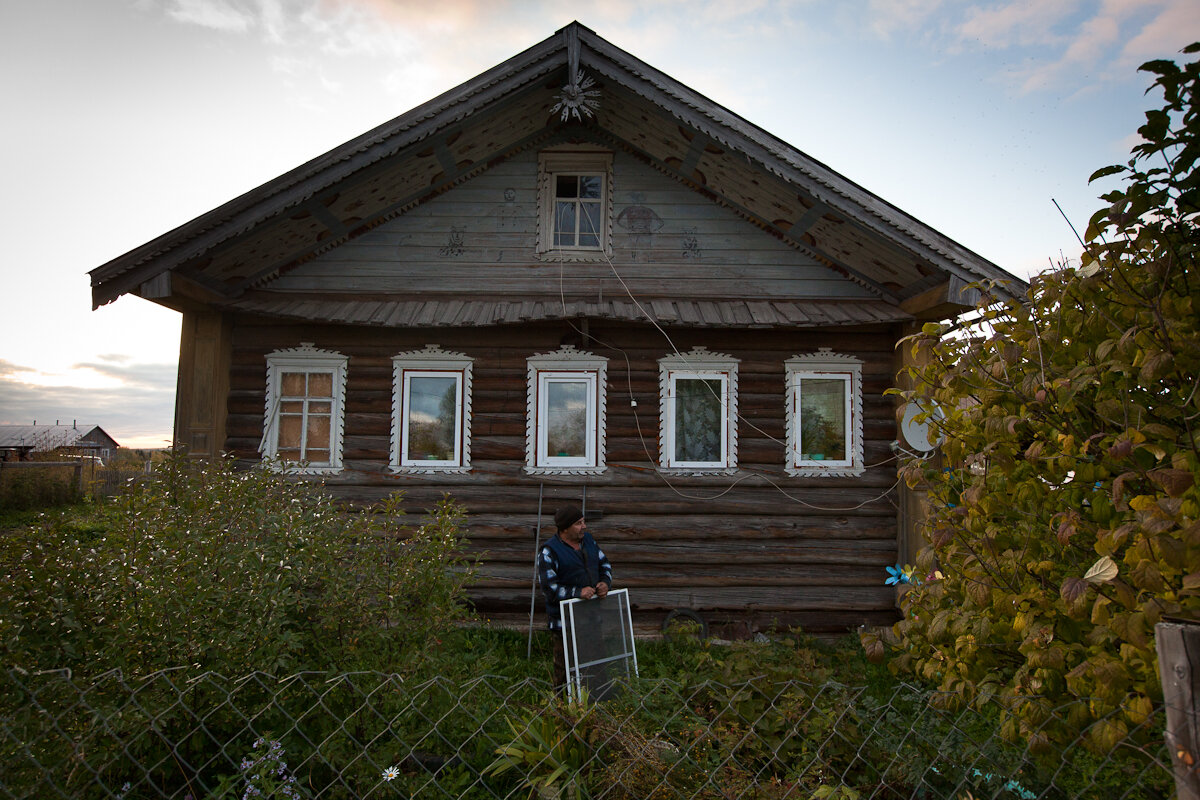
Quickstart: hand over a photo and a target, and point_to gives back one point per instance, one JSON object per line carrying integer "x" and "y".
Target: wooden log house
{"x": 573, "y": 278}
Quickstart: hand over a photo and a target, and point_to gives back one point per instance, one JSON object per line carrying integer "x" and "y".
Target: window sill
{"x": 578, "y": 256}
{"x": 844, "y": 471}
{"x": 413, "y": 469}
{"x": 564, "y": 470}
{"x": 697, "y": 471}
{"x": 288, "y": 469}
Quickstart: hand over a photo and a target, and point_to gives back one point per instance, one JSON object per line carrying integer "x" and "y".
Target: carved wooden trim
{"x": 310, "y": 359}
{"x": 696, "y": 361}
{"x": 565, "y": 359}
{"x": 829, "y": 362}
{"x": 581, "y": 158}
{"x": 432, "y": 357}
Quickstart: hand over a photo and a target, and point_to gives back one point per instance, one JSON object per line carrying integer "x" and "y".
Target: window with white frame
{"x": 565, "y": 413}
{"x": 698, "y": 411}
{"x": 575, "y": 204}
{"x": 305, "y": 409}
{"x": 824, "y": 415}
{"x": 431, "y": 411}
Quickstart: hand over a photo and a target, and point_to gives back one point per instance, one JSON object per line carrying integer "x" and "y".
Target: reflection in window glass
{"x": 566, "y": 419}
{"x": 432, "y": 416}
{"x": 823, "y": 419}
{"x": 698, "y": 420}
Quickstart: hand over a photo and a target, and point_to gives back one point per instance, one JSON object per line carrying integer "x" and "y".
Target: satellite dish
{"x": 920, "y": 436}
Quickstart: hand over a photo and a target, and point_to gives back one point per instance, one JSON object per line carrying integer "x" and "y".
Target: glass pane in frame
{"x": 567, "y": 418}
{"x": 432, "y": 417}
{"x": 320, "y": 384}
{"x": 591, "y": 186}
{"x": 699, "y": 429}
{"x": 292, "y": 384}
{"x": 823, "y": 418}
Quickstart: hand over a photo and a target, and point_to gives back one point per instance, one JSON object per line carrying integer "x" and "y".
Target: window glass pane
{"x": 320, "y": 407}
{"x": 320, "y": 384}
{"x": 288, "y": 455}
{"x": 566, "y": 419}
{"x": 590, "y": 186}
{"x": 823, "y": 419}
{"x": 432, "y": 412}
{"x": 291, "y": 407}
{"x": 317, "y": 457}
{"x": 318, "y": 432}
{"x": 292, "y": 384}
{"x": 698, "y": 419}
{"x": 566, "y": 186}
{"x": 589, "y": 224}
{"x": 564, "y": 223}
{"x": 290, "y": 428}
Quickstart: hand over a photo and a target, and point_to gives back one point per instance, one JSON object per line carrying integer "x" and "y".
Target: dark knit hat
{"x": 567, "y": 516}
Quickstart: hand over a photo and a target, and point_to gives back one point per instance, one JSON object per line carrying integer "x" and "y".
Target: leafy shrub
{"x": 205, "y": 566}
{"x": 1065, "y": 517}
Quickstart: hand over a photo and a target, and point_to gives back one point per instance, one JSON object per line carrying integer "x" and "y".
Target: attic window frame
{"x": 553, "y": 164}
{"x": 825, "y": 365}
{"x": 308, "y": 360}
{"x": 433, "y": 361}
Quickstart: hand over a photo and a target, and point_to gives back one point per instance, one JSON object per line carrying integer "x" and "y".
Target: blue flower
{"x": 898, "y": 575}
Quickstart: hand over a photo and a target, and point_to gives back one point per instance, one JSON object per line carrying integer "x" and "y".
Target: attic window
{"x": 575, "y": 205}
{"x": 824, "y": 415}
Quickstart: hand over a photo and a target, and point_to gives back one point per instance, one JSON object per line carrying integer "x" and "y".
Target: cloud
{"x": 1019, "y": 24}
{"x": 222, "y": 15}
{"x": 1063, "y": 40}
{"x": 1176, "y": 27}
{"x": 890, "y": 17}
{"x": 136, "y": 405}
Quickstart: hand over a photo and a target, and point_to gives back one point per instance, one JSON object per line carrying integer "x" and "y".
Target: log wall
{"x": 758, "y": 548}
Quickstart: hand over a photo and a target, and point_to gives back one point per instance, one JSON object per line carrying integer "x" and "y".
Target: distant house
{"x": 573, "y": 278}
{"x": 19, "y": 442}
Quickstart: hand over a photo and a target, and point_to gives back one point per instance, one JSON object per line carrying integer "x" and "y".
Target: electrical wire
{"x": 741, "y": 419}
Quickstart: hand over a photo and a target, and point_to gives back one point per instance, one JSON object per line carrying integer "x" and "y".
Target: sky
{"x": 127, "y": 118}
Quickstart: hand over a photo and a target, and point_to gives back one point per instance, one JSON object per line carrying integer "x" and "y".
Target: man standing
{"x": 570, "y": 565}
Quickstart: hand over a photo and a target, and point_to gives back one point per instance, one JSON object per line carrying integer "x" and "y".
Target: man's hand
{"x": 587, "y": 592}
{"x": 601, "y": 589}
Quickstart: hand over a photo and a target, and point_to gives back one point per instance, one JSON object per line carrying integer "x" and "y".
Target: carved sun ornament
{"x": 578, "y": 98}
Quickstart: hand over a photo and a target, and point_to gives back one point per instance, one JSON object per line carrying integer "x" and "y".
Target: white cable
{"x": 637, "y": 420}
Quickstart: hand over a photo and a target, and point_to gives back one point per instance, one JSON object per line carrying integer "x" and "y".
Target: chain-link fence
{"x": 369, "y": 735}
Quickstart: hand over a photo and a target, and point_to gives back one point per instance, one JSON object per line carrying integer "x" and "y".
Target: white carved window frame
{"x": 308, "y": 359}
{"x": 433, "y": 361}
{"x": 569, "y": 365}
{"x": 698, "y": 363}
{"x": 576, "y": 161}
{"x": 826, "y": 365}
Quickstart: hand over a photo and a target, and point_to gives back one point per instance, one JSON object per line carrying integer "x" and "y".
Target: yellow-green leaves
{"x": 1067, "y": 497}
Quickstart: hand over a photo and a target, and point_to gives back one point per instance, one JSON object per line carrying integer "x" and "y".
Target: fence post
{"x": 1178, "y": 646}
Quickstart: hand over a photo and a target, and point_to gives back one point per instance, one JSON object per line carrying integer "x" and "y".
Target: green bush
{"x": 1065, "y": 516}
{"x": 212, "y": 568}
